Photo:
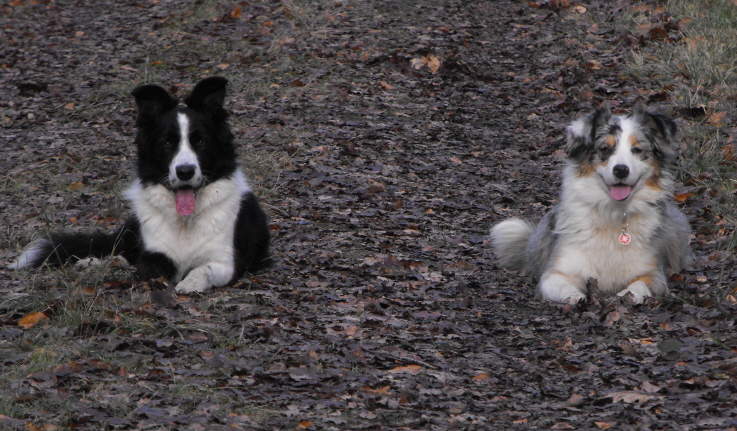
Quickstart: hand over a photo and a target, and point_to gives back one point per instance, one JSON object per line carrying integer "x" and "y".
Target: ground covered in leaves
{"x": 384, "y": 139}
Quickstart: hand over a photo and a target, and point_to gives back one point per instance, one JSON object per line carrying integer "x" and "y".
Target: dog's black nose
{"x": 185, "y": 172}
{"x": 621, "y": 171}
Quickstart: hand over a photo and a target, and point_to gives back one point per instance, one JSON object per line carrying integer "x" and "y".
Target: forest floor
{"x": 384, "y": 140}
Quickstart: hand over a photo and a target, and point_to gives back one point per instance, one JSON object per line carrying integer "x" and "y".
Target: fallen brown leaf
{"x": 408, "y": 369}
{"x": 31, "y": 319}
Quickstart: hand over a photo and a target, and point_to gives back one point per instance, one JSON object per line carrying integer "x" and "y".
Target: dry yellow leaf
{"x": 30, "y": 319}
{"x": 384, "y": 390}
{"x": 716, "y": 118}
{"x": 417, "y": 63}
{"x": 433, "y": 63}
{"x": 78, "y": 185}
{"x": 408, "y": 369}
{"x": 630, "y": 397}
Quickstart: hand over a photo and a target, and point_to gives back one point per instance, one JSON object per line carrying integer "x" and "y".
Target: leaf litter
{"x": 400, "y": 133}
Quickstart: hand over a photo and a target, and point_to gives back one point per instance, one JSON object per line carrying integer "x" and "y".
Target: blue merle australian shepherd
{"x": 195, "y": 221}
{"x": 615, "y": 221}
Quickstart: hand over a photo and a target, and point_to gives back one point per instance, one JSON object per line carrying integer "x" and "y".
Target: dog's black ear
{"x": 659, "y": 129}
{"x": 659, "y": 124}
{"x": 208, "y": 97}
{"x": 582, "y": 132}
{"x": 152, "y": 101}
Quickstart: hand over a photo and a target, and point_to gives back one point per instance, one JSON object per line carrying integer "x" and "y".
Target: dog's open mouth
{"x": 185, "y": 198}
{"x": 620, "y": 192}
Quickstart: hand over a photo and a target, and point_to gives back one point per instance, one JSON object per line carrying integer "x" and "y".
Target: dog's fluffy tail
{"x": 509, "y": 239}
{"x": 62, "y": 248}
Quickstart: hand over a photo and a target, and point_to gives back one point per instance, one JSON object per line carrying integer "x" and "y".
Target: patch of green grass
{"x": 702, "y": 65}
{"x": 40, "y": 410}
{"x": 700, "y": 72}
{"x": 708, "y": 55}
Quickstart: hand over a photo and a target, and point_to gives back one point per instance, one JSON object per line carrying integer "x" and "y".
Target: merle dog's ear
{"x": 660, "y": 130}
{"x": 659, "y": 125}
{"x": 582, "y": 132}
{"x": 208, "y": 97}
{"x": 152, "y": 101}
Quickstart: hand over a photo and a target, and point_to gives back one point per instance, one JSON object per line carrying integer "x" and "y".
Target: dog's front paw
{"x": 558, "y": 288}
{"x": 115, "y": 261}
{"x": 639, "y": 291}
{"x": 192, "y": 284}
{"x": 87, "y": 263}
{"x": 202, "y": 278}
{"x": 574, "y": 298}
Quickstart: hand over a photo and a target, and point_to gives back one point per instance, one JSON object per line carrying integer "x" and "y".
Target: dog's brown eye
{"x": 605, "y": 150}
{"x": 637, "y": 150}
{"x": 171, "y": 140}
{"x": 195, "y": 139}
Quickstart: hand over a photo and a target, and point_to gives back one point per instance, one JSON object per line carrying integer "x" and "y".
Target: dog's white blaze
{"x": 202, "y": 245}
{"x": 623, "y": 156}
{"x": 185, "y": 156}
{"x": 623, "y": 152}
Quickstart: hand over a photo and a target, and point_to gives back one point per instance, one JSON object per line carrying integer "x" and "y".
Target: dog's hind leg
{"x": 555, "y": 286}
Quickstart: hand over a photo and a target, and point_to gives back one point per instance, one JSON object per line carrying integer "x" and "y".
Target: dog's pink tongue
{"x": 185, "y": 201}
{"x": 620, "y": 192}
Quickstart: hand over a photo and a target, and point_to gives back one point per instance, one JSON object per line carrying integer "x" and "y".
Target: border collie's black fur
{"x": 197, "y": 222}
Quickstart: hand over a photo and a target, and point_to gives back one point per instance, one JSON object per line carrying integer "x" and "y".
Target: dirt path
{"x": 385, "y": 139}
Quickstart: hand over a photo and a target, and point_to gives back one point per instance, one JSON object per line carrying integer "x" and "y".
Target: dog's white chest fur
{"x": 203, "y": 239}
{"x": 593, "y": 250}
{"x": 589, "y": 231}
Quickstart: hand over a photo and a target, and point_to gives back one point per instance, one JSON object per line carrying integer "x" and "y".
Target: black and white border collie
{"x": 615, "y": 221}
{"x": 196, "y": 221}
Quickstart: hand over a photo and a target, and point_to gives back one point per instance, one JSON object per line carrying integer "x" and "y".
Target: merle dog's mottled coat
{"x": 616, "y": 180}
